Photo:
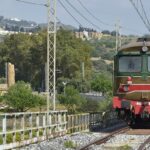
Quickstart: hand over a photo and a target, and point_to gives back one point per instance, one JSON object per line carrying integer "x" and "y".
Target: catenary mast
{"x": 51, "y": 54}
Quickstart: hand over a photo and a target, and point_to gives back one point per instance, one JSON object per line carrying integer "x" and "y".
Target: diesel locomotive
{"x": 132, "y": 81}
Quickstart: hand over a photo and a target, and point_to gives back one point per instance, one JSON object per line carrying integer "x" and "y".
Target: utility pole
{"x": 51, "y": 54}
{"x": 117, "y": 34}
{"x": 83, "y": 71}
{"x": 120, "y": 38}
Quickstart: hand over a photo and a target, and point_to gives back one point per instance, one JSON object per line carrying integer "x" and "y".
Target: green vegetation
{"x": 20, "y": 97}
{"x": 106, "y": 104}
{"x": 91, "y": 106}
{"x": 9, "y": 138}
{"x": 1, "y": 140}
{"x": 125, "y": 147}
{"x": 69, "y": 144}
{"x": 71, "y": 99}
{"x": 18, "y": 137}
{"x": 101, "y": 82}
{"x": 28, "y": 54}
{"x": 104, "y": 48}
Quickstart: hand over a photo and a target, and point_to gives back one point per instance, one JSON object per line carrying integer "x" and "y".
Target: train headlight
{"x": 125, "y": 88}
{"x": 139, "y": 103}
{"x": 129, "y": 80}
{"x": 144, "y": 49}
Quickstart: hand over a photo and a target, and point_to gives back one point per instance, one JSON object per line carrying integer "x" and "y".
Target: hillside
{"x": 104, "y": 51}
{"x": 15, "y": 24}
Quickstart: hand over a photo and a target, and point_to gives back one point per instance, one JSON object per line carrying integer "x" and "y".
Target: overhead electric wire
{"x": 104, "y": 23}
{"x": 93, "y": 14}
{"x": 144, "y": 12}
{"x": 27, "y": 2}
{"x": 83, "y": 15}
{"x": 77, "y": 21}
{"x": 69, "y": 12}
{"x": 140, "y": 15}
{"x": 40, "y": 4}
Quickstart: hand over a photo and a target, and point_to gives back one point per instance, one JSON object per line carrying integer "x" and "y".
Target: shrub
{"x": 20, "y": 97}
{"x": 69, "y": 144}
{"x": 71, "y": 99}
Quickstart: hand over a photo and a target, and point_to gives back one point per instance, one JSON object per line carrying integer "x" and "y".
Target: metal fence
{"x": 78, "y": 122}
{"x": 19, "y": 129}
{"x": 100, "y": 120}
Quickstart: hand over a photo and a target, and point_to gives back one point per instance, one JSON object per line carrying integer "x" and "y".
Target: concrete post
{"x": 10, "y": 74}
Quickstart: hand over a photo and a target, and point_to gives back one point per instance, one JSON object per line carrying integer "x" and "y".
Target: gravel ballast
{"x": 132, "y": 142}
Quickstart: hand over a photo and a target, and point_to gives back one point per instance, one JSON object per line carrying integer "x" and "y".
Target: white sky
{"x": 108, "y": 11}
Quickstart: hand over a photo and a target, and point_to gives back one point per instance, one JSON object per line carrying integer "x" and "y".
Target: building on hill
{"x": 87, "y": 34}
{"x": 3, "y": 33}
{"x": 6, "y": 32}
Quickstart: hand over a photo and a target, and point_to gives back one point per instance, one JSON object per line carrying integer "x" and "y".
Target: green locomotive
{"x": 132, "y": 80}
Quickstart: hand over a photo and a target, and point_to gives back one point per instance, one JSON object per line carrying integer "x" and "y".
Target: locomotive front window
{"x": 130, "y": 64}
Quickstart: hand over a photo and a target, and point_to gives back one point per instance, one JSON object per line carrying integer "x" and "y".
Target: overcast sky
{"x": 108, "y": 11}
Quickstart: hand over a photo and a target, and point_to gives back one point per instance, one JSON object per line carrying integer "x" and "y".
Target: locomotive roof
{"x": 140, "y": 42}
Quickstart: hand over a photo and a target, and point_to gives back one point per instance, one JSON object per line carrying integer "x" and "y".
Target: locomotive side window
{"x": 130, "y": 64}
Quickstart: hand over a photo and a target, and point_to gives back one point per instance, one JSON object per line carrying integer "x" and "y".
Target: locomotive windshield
{"x": 130, "y": 64}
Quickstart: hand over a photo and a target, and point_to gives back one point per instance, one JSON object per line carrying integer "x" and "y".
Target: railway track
{"x": 143, "y": 145}
{"x": 128, "y": 131}
{"x": 106, "y": 138}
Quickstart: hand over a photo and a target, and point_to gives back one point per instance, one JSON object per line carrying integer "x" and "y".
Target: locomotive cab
{"x": 132, "y": 80}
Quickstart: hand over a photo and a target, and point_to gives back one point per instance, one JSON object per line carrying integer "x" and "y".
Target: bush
{"x": 9, "y": 138}
{"x": 1, "y": 140}
{"x": 101, "y": 83}
{"x": 18, "y": 137}
{"x": 71, "y": 99}
{"x": 91, "y": 106}
{"x": 125, "y": 147}
{"x": 20, "y": 97}
{"x": 105, "y": 105}
{"x": 69, "y": 144}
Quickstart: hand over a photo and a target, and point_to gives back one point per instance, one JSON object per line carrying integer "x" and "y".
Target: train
{"x": 131, "y": 81}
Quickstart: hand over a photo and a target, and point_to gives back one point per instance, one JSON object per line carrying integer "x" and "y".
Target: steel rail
{"x": 143, "y": 145}
{"x": 105, "y": 139}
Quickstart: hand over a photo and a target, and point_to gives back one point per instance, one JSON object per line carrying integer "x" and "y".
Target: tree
{"x": 106, "y": 32}
{"x": 20, "y": 97}
{"x": 113, "y": 33}
{"x": 71, "y": 99}
{"x": 101, "y": 83}
{"x": 91, "y": 106}
{"x": 100, "y": 65}
{"x": 71, "y": 52}
{"x": 28, "y": 54}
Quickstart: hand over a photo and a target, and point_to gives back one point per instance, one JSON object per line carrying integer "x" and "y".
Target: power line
{"x": 94, "y": 15}
{"x": 27, "y": 2}
{"x": 69, "y": 12}
{"x": 104, "y": 23}
{"x": 83, "y": 15}
{"x": 123, "y": 27}
{"x": 78, "y": 22}
{"x": 39, "y": 4}
{"x": 140, "y": 15}
{"x": 144, "y": 12}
